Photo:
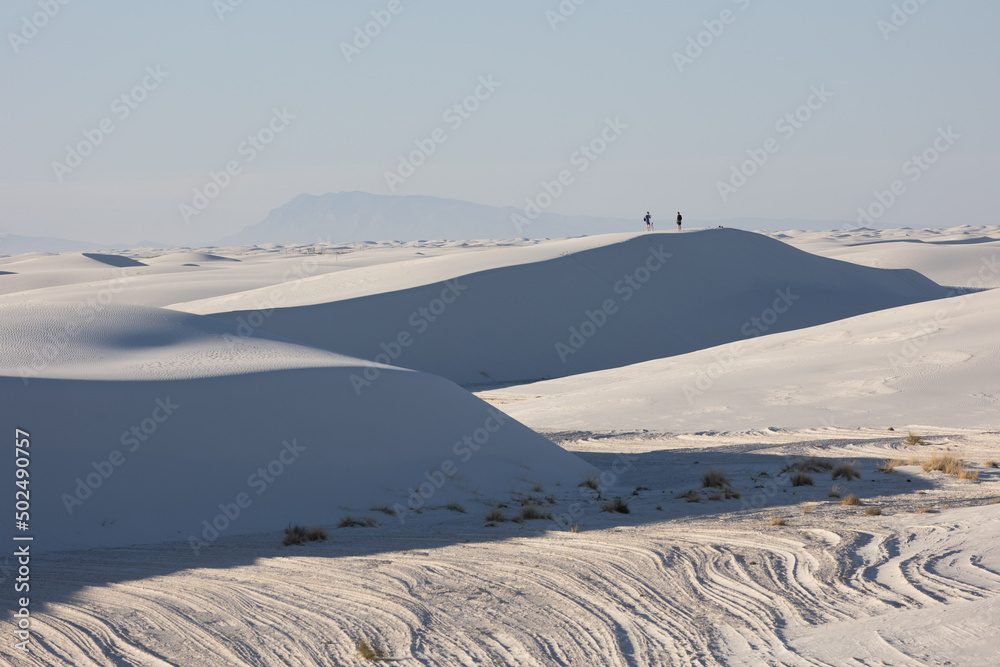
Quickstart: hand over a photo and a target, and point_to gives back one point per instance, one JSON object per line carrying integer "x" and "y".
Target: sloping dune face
{"x": 149, "y": 425}
{"x": 629, "y": 299}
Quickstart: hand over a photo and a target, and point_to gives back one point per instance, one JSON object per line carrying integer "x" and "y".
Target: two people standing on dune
{"x": 649, "y": 221}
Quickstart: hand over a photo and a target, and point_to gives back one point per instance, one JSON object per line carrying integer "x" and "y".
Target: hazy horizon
{"x": 187, "y": 122}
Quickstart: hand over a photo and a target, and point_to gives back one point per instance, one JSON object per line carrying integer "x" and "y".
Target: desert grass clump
{"x": 715, "y": 495}
{"x": 811, "y": 464}
{"x": 836, "y": 491}
{"x": 850, "y": 499}
{"x": 532, "y": 512}
{"x": 950, "y": 464}
{"x": 300, "y": 535}
{"x": 730, "y": 493}
{"x": 455, "y": 507}
{"x": 925, "y": 510}
{"x": 575, "y": 528}
{"x": 615, "y": 505}
{"x": 371, "y": 651}
{"x": 991, "y": 464}
{"x": 778, "y": 520}
{"x": 807, "y": 508}
{"x": 889, "y": 465}
{"x": 801, "y": 479}
{"x": 873, "y": 511}
{"x": 591, "y": 483}
{"x": 385, "y": 509}
{"x": 363, "y": 522}
{"x": 714, "y": 479}
{"x": 848, "y": 471}
{"x": 691, "y": 496}
{"x": 968, "y": 474}
{"x": 912, "y": 440}
{"x": 496, "y": 516}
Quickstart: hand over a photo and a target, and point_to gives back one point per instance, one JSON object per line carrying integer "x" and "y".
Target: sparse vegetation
{"x": 300, "y": 535}
{"x": 991, "y": 464}
{"x": 848, "y": 471}
{"x": 715, "y": 495}
{"x": 889, "y": 465}
{"x": 850, "y": 499}
{"x": 807, "y": 508}
{"x": 925, "y": 510}
{"x": 873, "y": 511}
{"x": 912, "y": 440}
{"x": 615, "y": 505}
{"x": 778, "y": 520}
{"x": 575, "y": 528}
{"x": 385, "y": 509}
{"x": 950, "y": 465}
{"x": 455, "y": 507}
{"x": 638, "y": 489}
{"x": 363, "y": 522}
{"x": 591, "y": 483}
{"x": 812, "y": 464}
{"x": 715, "y": 479}
{"x": 691, "y": 496}
{"x": 371, "y": 651}
{"x": 496, "y": 516}
{"x": 659, "y": 507}
{"x": 836, "y": 491}
{"x": 539, "y": 488}
{"x": 730, "y": 493}
{"x": 801, "y": 479}
{"x": 532, "y": 512}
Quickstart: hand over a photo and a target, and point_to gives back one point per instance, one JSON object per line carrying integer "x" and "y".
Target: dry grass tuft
{"x": 575, "y": 528}
{"x": 851, "y": 499}
{"x": 591, "y": 483}
{"x": 730, "y": 493}
{"x": 615, "y": 505}
{"x": 455, "y": 507}
{"x": 714, "y": 478}
{"x": 301, "y": 535}
{"x": 496, "y": 516}
{"x": 807, "y": 508}
{"x": 385, "y": 509}
{"x": 889, "y": 465}
{"x": 532, "y": 512}
{"x": 926, "y": 510}
{"x": 363, "y": 522}
{"x": 991, "y": 464}
{"x": 836, "y": 491}
{"x": 691, "y": 496}
{"x": 811, "y": 464}
{"x": 371, "y": 651}
{"x": 912, "y": 440}
{"x": 848, "y": 471}
{"x": 950, "y": 464}
{"x": 777, "y": 520}
{"x": 873, "y": 511}
{"x": 801, "y": 479}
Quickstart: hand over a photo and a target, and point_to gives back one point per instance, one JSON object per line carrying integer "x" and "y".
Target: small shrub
{"x": 715, "y": 495}
{"x": 801, "y": 479}
{"x": 363, "y": 522}
{"x": 730, "y": 493}
{"x": 873, "y": 511}
{"x": 912, "y": 440}
{"x": 925, "y": 510}
{"x": 691, "y": 496}
{"x": 539, "y": 488}
{"x": 529, "y": 500}
{"x": 836, "y": 491}
{"x": 531, "y": 512}
{"x": 851, "y": 499}
{"x": 615, "y": 505}
{"x": 591, "y": 483}
{"x": 455, "y": 507}
{"x": 714, "y": 478}
{"x": 848, "y": 471}
{"x": 371, "y": 651}
{"x": 777, "y": 520}
{"x": 300, "y": 535}
{"x": 991, "y": 464}
{"x": 497, "y": 516}
{"x": 659, "y": 507}
{"x": 385, "y": 509}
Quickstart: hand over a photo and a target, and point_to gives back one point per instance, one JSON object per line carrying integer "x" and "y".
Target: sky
{"x": 182, "y": 122}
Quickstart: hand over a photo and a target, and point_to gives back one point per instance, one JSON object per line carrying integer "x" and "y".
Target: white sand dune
{"x": 147, "y": 422}
{"x": 569, "y": 307}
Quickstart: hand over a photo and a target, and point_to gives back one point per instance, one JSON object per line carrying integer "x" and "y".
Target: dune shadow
{"x": 118, "y": 261}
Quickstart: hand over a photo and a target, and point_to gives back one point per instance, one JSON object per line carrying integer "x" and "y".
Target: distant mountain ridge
{"x": 360, "y": 216}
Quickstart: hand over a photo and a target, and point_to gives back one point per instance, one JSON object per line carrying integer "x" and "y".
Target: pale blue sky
{"x": 685, "y": 129}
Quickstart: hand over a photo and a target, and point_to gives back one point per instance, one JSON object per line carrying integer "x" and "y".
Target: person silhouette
{"x": 649, "y": 221}
{"x": 678, "y": 221}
